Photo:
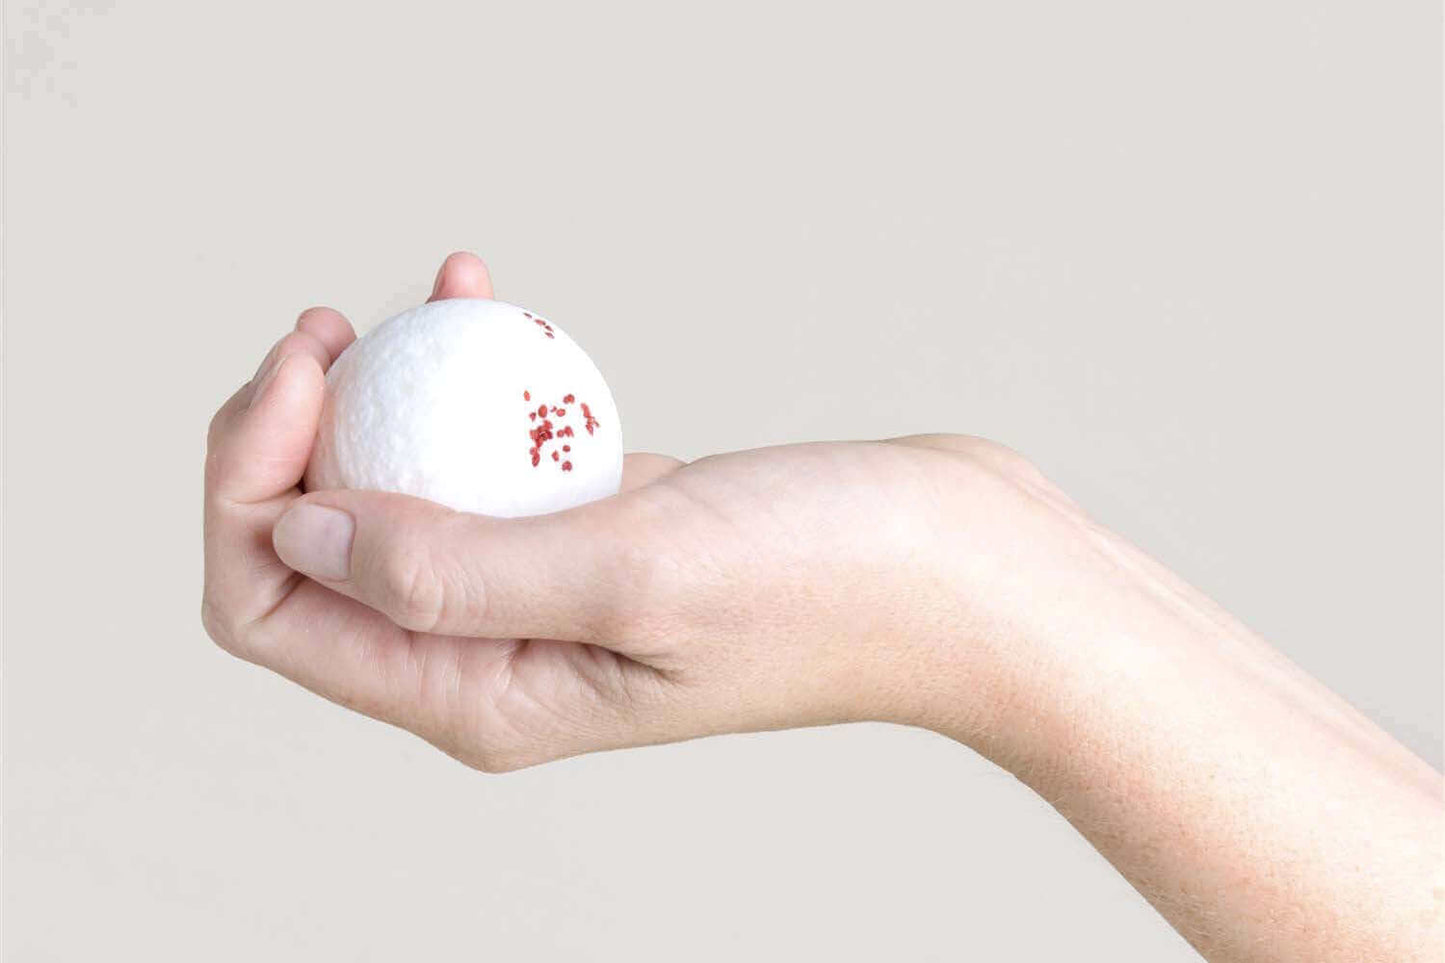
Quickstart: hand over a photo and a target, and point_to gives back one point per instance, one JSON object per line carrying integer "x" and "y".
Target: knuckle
{"x": 221, "y": 455}
{"x": 415, "y": 594}
{"x": 219, "y": 624}
{"x": 218, "y": 465}
{"x": 213, "y": 430}
{"x": 493, "y": 760}
{"x": 490, "y": 755}
{"x": 216, "y": 435}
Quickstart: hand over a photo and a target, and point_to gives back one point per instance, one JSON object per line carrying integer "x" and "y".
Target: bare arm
{"x": 1260, "y": 813}
{"x": 937, "y": 581}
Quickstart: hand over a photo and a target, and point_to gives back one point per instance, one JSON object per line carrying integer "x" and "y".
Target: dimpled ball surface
{"x": 476, "y": 404}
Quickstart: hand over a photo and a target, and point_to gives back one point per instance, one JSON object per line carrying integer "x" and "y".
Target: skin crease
{"x": 1260, "y": 813}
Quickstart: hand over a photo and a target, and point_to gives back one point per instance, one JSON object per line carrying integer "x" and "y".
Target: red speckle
{"x": 544, "y": 430}
{"x": 541, "y": 323}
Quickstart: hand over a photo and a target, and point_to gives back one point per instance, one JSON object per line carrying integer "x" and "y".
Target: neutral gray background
{"x": 1185, "y": 256}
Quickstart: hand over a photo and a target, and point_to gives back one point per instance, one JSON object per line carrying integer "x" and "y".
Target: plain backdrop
{"x": 1187, "y": 257}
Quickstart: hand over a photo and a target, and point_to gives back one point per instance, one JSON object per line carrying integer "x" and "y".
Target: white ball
{"x": 475, "y": 404}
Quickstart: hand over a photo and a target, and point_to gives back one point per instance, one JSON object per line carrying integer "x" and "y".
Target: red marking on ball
{"x": 546, "y": 430}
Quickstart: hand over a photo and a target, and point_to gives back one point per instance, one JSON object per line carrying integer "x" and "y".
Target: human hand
{"x": 934, "y": 580}
{"x": 788, "y": 586}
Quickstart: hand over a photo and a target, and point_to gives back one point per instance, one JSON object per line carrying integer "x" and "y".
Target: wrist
{"x": 1040, "y": 642}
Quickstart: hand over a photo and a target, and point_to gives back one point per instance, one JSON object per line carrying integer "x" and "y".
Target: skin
{"x": 936, "y": 580}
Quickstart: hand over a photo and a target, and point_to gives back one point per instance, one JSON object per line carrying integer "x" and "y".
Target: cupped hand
{"x": 933, "y": 580}
{"x": 797, "y": 585}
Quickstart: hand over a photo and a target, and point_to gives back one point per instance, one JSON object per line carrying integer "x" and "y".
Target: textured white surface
{"x": 476, "y": 404}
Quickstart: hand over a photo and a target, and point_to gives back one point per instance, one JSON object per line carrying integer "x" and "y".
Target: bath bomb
{"x": 476, "y": 404}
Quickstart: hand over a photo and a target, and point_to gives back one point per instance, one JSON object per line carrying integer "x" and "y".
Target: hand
{"x": 789, "y": 586}
{"x": 935, "y": 580}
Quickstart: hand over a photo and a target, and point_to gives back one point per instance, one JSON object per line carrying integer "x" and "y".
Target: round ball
{"x": 476, "y": 404}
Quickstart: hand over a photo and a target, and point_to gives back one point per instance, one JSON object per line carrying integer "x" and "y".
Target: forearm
{"x": 1261, "y": 814}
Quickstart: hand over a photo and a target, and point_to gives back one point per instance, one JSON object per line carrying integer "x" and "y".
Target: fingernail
{"x": 436, "y": 286}
{"x": 315, "y": 540}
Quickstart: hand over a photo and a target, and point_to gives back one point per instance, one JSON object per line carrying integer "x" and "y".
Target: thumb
{"x": 574, "y": 575}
